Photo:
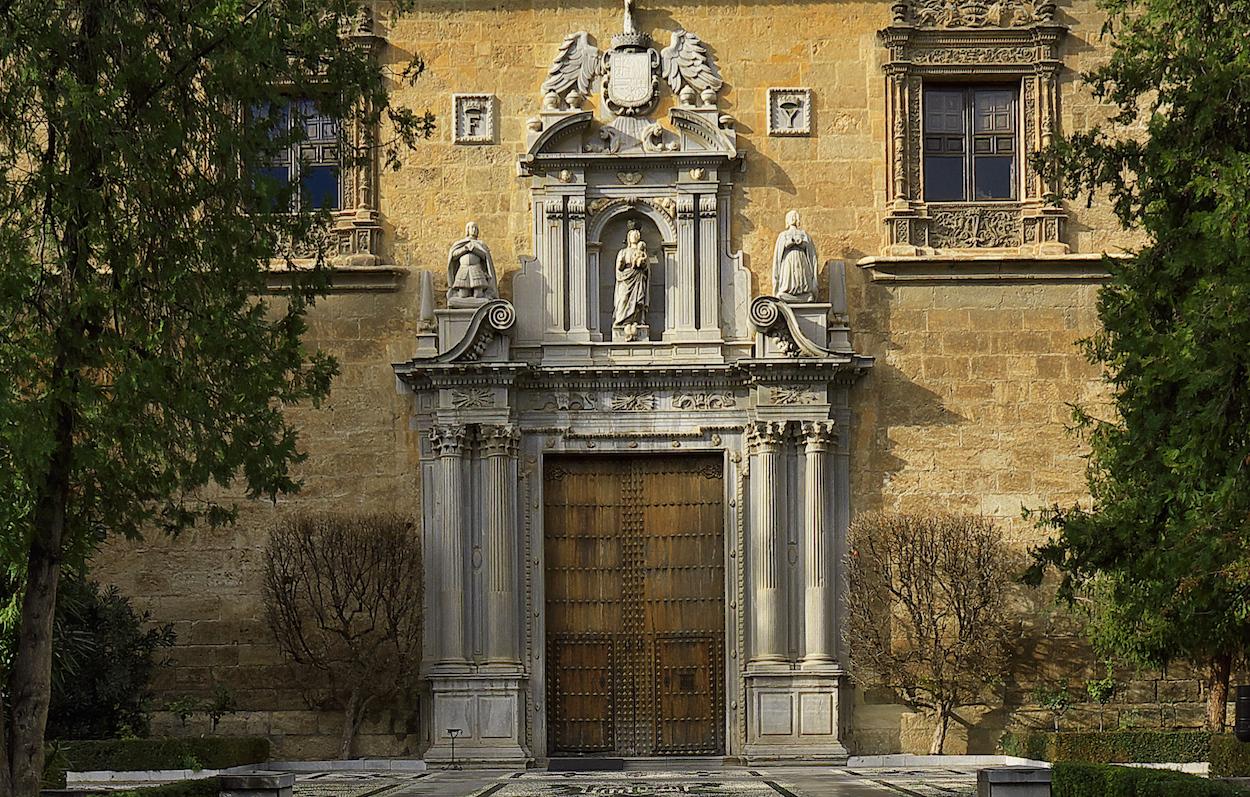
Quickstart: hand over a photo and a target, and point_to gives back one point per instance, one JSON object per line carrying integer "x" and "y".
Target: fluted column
{"x": 817, "y": 581}
{"x": 499, "y": 548}
{"x": 448, "y": 554}
{"x": 767, "y": 563}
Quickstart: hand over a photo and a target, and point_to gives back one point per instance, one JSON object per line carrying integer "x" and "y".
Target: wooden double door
{"x": 635, "y": 607}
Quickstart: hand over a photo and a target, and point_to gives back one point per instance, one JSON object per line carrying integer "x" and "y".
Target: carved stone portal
{"x": 634, "y": 333}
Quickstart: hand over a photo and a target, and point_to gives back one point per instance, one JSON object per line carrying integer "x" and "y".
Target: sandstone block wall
{"x": 965, "y": 408}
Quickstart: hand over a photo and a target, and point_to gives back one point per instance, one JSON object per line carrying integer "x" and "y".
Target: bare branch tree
{"x": 927, "y": 610}
{"x": 343, "y": 598}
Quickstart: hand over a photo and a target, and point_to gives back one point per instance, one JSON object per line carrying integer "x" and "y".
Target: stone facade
{"x": 970, "y": 336}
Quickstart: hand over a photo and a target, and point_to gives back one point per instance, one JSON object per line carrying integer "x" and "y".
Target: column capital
{"x": 499, "y": 441}
{"x": 818, "y": 435}
{"x": 448, "y": 441}
{"x": 766, "y": 436}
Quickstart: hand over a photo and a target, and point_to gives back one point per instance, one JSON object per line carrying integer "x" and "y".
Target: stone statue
{"x": 471, "y": 276}
{"x": 633, "y": 279}
{"x": 794, "y": 263}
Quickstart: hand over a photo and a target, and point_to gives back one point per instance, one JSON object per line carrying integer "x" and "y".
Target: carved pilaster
{"x": 448, "y": 556}
{"x": 554, "y": 257}
{"x": 682, "y": 305}
{"x": 818, "y": 583}
{"x": 708, "y": 291}
{"x": 498, "y": 445}
{"x": 579, "y": 287}
{"x": 767, "y": 555}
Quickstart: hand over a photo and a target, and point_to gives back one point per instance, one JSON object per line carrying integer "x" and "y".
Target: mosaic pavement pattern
{"x": 929, "y": 782}
{"x": 356, "y": 784}
{"x": 734, "y": 782}
{"x": 638, "y": 784}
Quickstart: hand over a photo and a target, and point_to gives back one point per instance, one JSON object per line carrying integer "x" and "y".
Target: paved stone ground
{"x": 729, "y": 782}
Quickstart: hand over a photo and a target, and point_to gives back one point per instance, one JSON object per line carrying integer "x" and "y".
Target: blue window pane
{"x": 943, "y": 179}
{"x": 994, "y": 178}
{"x": 319, "y": 186}
{"x": 274, "y": 180}
{"x": 278, "y": 176}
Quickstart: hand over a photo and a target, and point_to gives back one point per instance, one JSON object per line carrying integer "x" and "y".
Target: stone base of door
{"x": 795, "y": 717}
{"x": 487, "y": 709}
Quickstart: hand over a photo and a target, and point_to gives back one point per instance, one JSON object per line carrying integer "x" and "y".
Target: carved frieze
{"x": 791, "y": 396}
{"x": 704, "y": 401}
{"x": 641, "y": 401}
{"x": 472, "y": 398}
{"x": 975, "y": 226}
{"x": 981, "y": 14}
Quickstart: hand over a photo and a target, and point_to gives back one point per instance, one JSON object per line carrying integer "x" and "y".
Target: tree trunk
{"x": 943, "y": 721}
{"x": 30, "y": 679}
{"x": 350, "y": 723}
{"x": 1221, "y": 668}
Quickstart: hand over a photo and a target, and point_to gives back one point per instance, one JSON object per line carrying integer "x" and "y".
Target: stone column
{"x": 499, "y": 547}
{"x": 768, "y": 544}
{"x": 448, "y": 554}
{"x": 817, "y": 581}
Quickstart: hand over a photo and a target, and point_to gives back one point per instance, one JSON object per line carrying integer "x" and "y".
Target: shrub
{"x": 1071, "y": 779}
{"x": 1229, "y": 757}
{"x": 1110, "y": 747}
{"x": 927, "y": 609}
{"x": 103, "y": 658}
{"x": 343, "y": 599}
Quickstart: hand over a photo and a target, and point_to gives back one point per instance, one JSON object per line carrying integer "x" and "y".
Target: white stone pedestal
{"x": 794, "y": 717}
{"x": 488, "y": 709}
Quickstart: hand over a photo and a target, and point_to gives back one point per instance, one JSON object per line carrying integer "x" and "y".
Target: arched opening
{"x": 613, "y": 241}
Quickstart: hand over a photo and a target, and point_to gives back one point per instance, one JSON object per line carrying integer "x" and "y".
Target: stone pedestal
{"x": 794, "y": 717}
{"x": 488, "y": 709}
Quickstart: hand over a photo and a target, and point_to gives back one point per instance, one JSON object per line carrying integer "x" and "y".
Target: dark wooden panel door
{"x": 634, "y": 552}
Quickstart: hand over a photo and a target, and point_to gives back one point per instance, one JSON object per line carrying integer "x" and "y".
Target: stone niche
{"x": 763, "y": 384}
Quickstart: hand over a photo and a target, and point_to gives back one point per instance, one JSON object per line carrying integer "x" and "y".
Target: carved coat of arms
{"x": 632, "y": 70}
{"x": 631, "y": 79}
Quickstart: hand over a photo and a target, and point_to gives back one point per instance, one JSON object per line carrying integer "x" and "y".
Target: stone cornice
{"x": 342, "y": 278}
{"x": 988, "y": 268}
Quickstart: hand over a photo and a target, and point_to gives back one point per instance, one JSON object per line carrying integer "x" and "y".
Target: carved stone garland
{"x": 957, "y": 40}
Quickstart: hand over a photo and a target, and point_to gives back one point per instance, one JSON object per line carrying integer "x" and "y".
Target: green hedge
{"x": 121, "y": 755}
{"x": 1110, "y": 747}
{"x": 212, "y": 752}
{"x": 202, "y": 787}
{"x": 1070, "y": 779}
{"x": 1229, "y": 757}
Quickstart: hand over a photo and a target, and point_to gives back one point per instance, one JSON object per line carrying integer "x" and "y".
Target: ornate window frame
{"x": 954, "y": 41}
{"x": 353, "y": 248}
